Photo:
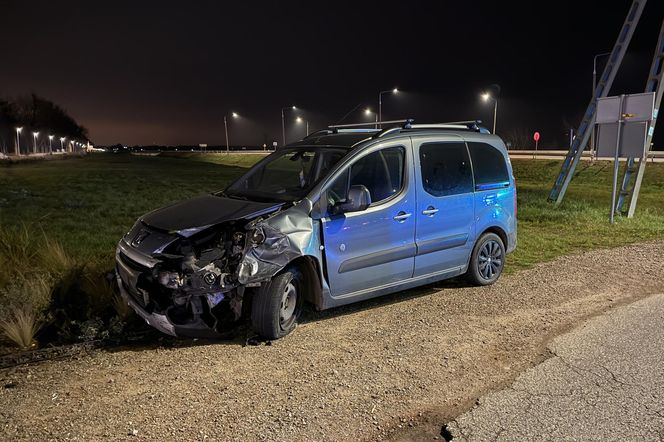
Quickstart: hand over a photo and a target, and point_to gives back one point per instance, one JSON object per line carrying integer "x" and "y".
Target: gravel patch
{"x": 395, "y": 368}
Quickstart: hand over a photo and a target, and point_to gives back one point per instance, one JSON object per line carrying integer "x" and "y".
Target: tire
{"x": 277, "y": 305}
{"x": 487, "y": 260}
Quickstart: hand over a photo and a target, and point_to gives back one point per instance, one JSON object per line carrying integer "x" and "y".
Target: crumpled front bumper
{"x": 127, "y": 278}
{"x": 160, "y": 322}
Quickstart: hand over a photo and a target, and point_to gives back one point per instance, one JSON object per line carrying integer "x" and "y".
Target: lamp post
{"x": 486, "y": 97}
{"x": 50, "y": 144}
{"x": 234, "y": 115}
{"x": 62, "y": 142}
{"x": 34, "y": 144}
{"x": 301, "y": 120}
{"x": 283, "y": 123}
{"x": 380, "y": 103}
{"x": 18, "y": 141}
{"x": 367, "y": 111}
{"x": 593, "y": 131}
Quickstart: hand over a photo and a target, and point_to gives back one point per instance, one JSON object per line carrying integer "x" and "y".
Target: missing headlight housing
{"x": 256, "y": 237}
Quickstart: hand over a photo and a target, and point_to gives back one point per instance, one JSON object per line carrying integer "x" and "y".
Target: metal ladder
{"x": 603, "y": 86}
{"x": 636, "y": 166}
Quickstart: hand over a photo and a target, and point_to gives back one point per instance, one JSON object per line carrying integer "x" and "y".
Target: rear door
{"x": 374, "y": 247}
{"x": 445, "y": 204}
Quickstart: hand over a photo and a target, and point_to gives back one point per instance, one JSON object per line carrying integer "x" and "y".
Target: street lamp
{"x": 592, "y": 132}
{"x": 300, "y": 120}
{"x": 34, "y": 145}
{"x": 380, "y": 103}
{"x": 486, "y": 97}
{"x": 18, "y": 141}
{"x": 234, "y": 115}
{"x": 50, "y": 144}
{"x": 283, "y": 123}
{"x": 62, "y": 141}
{"x": 367, "y": 111}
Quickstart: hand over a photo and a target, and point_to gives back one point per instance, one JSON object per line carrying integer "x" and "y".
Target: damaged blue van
{"x": 341, "y": 216}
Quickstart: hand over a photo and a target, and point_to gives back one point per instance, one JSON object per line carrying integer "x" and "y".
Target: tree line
{"x": 35, "y": 114}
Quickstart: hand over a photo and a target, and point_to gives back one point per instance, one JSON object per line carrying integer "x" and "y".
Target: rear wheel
{"x": 487, "y": 260}
{"x": 276, "y": 306}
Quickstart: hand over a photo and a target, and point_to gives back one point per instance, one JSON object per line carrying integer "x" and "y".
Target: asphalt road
{"x": 604, "y": 381}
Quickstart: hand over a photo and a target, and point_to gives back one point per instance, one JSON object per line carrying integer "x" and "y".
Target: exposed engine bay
{"x": 199, "y": 275}
{"x": 192, "y": 279}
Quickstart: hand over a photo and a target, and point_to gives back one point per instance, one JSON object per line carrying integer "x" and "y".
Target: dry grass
{"x": 101, "y": 292}
{"x": 34, "y": 293}
{"x": 121, "y": 307}
{"x": 21, "y": 327}
{"x": 54, "y": 257}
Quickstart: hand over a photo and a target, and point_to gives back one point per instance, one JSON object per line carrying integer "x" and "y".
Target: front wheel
{"x": 276, "y": 306}
{"x": 487, "y": 260}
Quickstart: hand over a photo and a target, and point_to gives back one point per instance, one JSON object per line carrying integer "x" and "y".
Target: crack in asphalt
{"x": 580, "y": 378}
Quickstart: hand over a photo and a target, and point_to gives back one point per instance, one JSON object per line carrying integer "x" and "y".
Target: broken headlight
{"x": 256, "y": 237}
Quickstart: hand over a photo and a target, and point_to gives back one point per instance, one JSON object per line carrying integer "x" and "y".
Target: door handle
{"x": 430, "y": 211}
{"x": 402, "y": 216}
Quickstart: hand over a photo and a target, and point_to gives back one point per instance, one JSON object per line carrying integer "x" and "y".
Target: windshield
{"x": 286, "y": 175}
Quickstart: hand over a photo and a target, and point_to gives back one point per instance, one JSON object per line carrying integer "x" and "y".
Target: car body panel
{"x": 203, "y": 211}
{"x": 445, "y": 229}
{"x": 369, "y": 248}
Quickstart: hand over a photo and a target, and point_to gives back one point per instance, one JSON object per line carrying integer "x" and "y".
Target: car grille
{"x": 134, "y": 265}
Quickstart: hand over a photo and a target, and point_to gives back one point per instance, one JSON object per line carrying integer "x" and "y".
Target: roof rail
{"x": 469, "y": 125}
{"x": 405, "y": 125}
{"x": 335, "y": 130}
{"x": 373, "y": 123}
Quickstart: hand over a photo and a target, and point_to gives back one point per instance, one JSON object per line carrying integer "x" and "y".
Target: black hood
{"x": 190, "y": 216}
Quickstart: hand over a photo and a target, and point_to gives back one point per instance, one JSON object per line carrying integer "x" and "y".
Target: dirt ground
{"x": 396, "y": 368}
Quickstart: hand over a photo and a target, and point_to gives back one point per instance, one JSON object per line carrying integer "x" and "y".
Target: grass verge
{"x": 60, "y": 222}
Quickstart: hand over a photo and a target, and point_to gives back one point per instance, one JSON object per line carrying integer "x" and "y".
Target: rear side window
{"x": 488, "y": 164}
{"x": 445, "y": 168}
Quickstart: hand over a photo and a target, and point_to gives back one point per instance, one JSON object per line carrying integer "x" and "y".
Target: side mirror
{"x": 358, "y": 200}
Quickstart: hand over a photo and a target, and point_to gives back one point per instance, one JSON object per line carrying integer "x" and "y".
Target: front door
{"x": 367, "y": 249}
{"x": 445, "y": 211}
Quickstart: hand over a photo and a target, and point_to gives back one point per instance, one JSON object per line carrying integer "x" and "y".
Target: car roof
{"x": 348, "y": 138}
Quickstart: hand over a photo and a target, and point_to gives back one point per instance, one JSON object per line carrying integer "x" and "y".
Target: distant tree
{"x": 42, "y": 114}
{"x": 7, "y": 125}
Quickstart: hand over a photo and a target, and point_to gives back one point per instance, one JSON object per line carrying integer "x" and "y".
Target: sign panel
{"x": 536, "y": 136}
{"x": 635, "y": 107}
{"x": 632, "y": 140}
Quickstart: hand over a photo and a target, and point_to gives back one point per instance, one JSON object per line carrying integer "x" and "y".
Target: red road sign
{"x": 536, "y": 136}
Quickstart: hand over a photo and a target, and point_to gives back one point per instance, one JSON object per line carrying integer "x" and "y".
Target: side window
{"x": 381, "y": 172}
{"x": 488, "y": 164}
{"x": 445, "y": 168}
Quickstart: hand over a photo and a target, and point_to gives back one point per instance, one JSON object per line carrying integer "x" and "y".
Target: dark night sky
{"x": 165, "y": 72}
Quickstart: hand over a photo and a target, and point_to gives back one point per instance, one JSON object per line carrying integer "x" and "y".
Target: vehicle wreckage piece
{"x": 192, "y": 282}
